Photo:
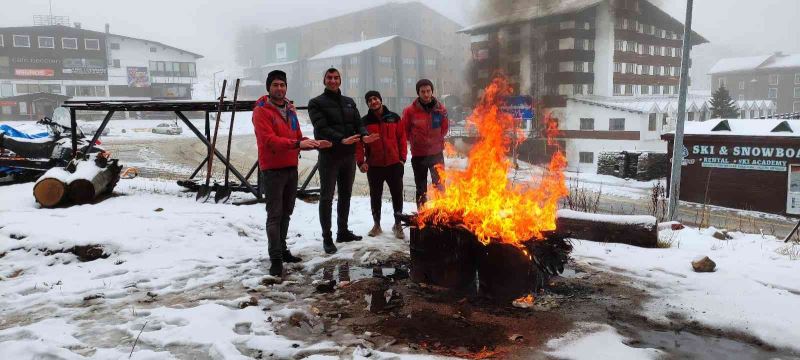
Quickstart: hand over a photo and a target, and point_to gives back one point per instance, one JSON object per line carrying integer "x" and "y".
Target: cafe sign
{"x": 763, "y": 158}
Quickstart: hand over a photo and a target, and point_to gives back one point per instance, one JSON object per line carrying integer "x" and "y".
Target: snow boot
{"x": 347, "y": 236}
{"x": 398, "y": 231}
{"x": 376, "y": 230}
{"x": 289, "y": 258}
{"x": 277, "y": 267}
{"x": 328, "y": 246}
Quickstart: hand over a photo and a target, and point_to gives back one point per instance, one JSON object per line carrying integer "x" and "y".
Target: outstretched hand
{"x": 371, "y": 138}
{"x": 309, "y": 144}
{"x": 351, "y": 140}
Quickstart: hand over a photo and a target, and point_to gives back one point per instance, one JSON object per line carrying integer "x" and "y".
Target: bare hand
{"x": 364, "y": 167}
{"x": 351, "y": 140}
{"x": 324, "y": 144}
{"x": 371, "y": 138}
{"x": 308, "y": 144}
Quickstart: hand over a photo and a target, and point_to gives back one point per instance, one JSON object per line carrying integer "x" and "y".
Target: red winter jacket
{"x": 391, "y": 148}
{"x": 277, "y": 138}
{"x": 425, "y": 129}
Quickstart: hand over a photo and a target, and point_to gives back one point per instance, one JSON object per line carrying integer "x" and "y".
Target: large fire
{"x": 481, "y": 197}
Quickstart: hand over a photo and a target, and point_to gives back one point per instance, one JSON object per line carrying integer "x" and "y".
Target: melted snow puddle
{"x": 686, "y": 345}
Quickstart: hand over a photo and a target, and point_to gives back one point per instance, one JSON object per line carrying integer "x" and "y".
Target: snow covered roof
{"x": 750, "y": 63}
{"x": 738, "y": 64}
{"x": 280, "y": 63}
{"x": 743, "y": 127}
{"x": 351, "y": 48}
{"x": 665, "y": 103}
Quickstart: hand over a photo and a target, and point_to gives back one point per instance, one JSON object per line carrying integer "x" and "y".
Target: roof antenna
{"x": 51, "y": 13}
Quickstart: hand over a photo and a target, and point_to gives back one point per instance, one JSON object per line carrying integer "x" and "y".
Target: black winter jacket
{"x": 335, "y": 117}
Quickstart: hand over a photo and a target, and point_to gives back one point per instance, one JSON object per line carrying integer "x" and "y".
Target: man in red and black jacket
{"x": 384, "y": 160}
{"x": 425, "y": 122}
{"x": 279, "y": 142}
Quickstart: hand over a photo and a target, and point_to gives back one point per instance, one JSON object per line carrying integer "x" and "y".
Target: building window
{"x": 618, "y": 89}
{"x": 353, "y": 81}
{"x": 796, "y": 76}
{"x": 618, "y": 45}
{"x": 630, "y": 68}
{"x": 114, "y": 46}
{"x": 22, "y": 41}
{"x": 651, "y": 122}
{"x": 796, "y": 106}
{"x": 152, "y": 49}
{"x": 564, "y": 25}
{"x": 628, "y": 89}
{"x": 721, "y": 82}
{"x": 354, "y": 60}
{"x": 797, "y": 93}
{"x": 773, "y": 79}
{"x": 587, "y": 124}
{"x": 384, "y": 59}
{"x": 116, "y": 63}
{"x": 773, "y": 93}
{"x": 651, "y": 50}
{"x": 690, "y": 116}
{"x": 616, "y": 124}
{"x": 645, "y": 90}
{"x": 47, "y": 42}
{"x": 409, "y": 61}
{"x": 69, "y": 43}
{"x": 23, "y": 108}
{"x": 91, "y": 44}
{"x": 586, "y": 157}
{"x": 3, "y": 44}
{"x": 430, "y": 62}
{"x": 617, "y": 67}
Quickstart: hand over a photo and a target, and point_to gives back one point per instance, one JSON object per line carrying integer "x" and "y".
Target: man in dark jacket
{"x": 384, "y": 160}
{"x": 279, "y": 141}
{"x": 336, "y": 119}
{"x": 426, "y": 124}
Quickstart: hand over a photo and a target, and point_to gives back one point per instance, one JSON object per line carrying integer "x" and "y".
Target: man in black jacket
{"x": 336, "y": 119}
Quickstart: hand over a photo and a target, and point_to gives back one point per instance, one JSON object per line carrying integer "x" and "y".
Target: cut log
{"x": 637, "y": 230}
{"x": 49, "y": 192}
{"x": 51, "y": 188}
{"x": 90, "y": 181}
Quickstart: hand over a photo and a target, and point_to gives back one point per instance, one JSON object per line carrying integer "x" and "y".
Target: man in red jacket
{"x": 426, "y": 124}
{"x": 279, "y": 142}
{"x": 384, "y": 160}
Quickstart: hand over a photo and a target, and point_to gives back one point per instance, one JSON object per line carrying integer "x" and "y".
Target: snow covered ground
{"x": 177, "y": 272}
{"x": 176, "y": 269}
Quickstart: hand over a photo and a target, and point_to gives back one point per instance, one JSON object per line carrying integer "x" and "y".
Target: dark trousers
{"x": 335, "y": 169}
{"x": 393, "y": 176}
{"x": 280, "y": 189}
{"x": 422, "y": 165}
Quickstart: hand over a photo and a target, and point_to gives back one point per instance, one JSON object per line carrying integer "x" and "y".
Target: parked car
{"x": 168, "y": 129}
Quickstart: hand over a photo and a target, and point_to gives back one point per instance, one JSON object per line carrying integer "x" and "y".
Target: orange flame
{"x": 450, "y": 150}
{"x": 481, "y": 197}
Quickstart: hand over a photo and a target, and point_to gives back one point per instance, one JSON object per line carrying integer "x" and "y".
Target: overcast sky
{"x": 734, "y": 27}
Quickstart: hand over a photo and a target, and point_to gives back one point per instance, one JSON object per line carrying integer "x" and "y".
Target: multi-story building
{"x": 600, "y": 47}
{"x": 391, "y": 65}
{"x": 84, "y": 64}
{"x": 774, "y": 77}
{"x": 591, "y": 124}
{"x": 289, "y": 48}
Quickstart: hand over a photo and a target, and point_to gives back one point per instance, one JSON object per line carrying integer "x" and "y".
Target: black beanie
{"x": 275, "y": 75}
{"x": 372, "y": 93}
{"x": 422, "y": 83}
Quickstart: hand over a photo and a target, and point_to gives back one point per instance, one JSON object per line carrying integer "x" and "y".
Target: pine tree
{"x": 722, "y": 106}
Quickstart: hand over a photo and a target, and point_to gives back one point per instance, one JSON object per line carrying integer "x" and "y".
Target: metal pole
{"x": 677, "y": 148}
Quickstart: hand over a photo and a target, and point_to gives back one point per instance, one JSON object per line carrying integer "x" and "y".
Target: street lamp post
{"x": 677, "y": 148}
{"x": 215, "y": 80}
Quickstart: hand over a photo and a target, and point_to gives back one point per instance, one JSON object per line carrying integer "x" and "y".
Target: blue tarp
{"x": 12, "y": 132}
